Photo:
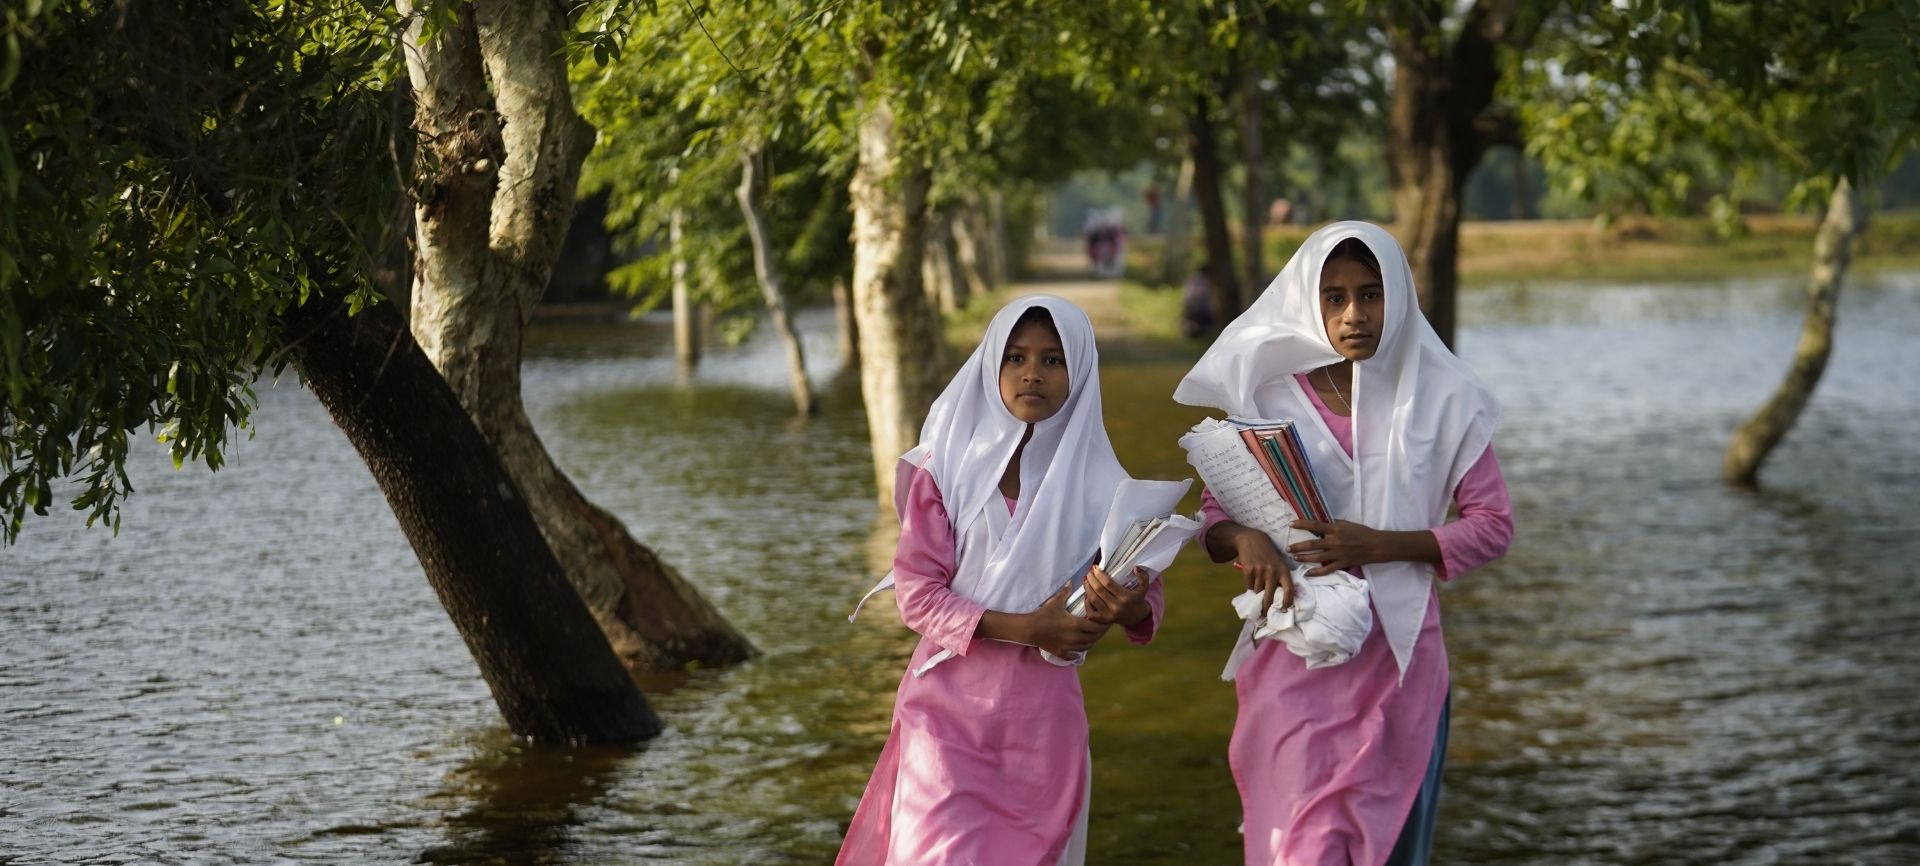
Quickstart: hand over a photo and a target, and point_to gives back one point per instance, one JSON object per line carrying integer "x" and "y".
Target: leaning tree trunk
{"x": 1179, "y": 247}
{"x": 549, "y": 667}
{"x": 1253, "y": 200}
{"x": 900, "y": 339}
{"x": 1832, "y": 252}
{"x": 497, "y": 173}
{"x": 1203, "y": 145}
{"x": 771, "y": 288}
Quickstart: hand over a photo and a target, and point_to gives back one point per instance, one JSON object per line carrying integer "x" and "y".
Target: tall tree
{"x": 1446, "y": 73}
{"x": 194, "y": 194}
{"x": 500, "y": 155}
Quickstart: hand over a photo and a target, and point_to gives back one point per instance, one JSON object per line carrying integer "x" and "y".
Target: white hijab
{"x": 1068, "y": 472}
{"x": 1421, "y": 418}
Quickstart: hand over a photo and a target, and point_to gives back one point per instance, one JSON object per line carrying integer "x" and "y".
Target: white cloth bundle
{"x": 1326, "y": 625}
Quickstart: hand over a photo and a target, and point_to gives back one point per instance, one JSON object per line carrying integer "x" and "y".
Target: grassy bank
{"x": 1629, "y": 249}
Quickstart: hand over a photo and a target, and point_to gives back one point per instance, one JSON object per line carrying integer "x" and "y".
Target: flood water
{"x": 1663, "y": 671}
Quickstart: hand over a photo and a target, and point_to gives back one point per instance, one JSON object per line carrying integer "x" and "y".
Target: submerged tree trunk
{"x": 497, "y": 171}
{"x": 1179, "y": 247}
{"x": 771, "y": 287}
{"x": 686, "y": 318}
{"x": 900, "y": 339}
{"x": 1832, "y": 252}
{"x": 1204, "y": 147}
{"x": 1253, "y": 201}
{"x": 542, "y": 655}
{"x": 847, "y": 329}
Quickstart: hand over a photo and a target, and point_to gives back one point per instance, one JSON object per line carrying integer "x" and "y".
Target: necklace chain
{"x": 1327, "y": 371}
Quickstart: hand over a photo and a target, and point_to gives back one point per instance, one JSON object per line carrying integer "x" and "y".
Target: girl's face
{"x": 1033, "y": 373}
{"x": 1353, "y": 304}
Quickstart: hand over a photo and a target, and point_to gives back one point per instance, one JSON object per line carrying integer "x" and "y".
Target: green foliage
{"x": 172, "y": 175}
{"x": 679, "y": 93}
{"x": 1684, "y": 107}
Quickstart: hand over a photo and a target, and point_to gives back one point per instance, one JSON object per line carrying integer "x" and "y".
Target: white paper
{"x": 1216, "y": 451}
{"x": 1135, "y": 500}
{"x": 1141, "y": 530}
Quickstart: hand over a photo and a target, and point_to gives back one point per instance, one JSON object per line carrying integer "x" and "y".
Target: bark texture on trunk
{"x": 1203, "y": 145}
{"x": 900, "y": 338}
{"x": 497, "y": 173}
{"x": 1441, "y": 90}
{"x": 549, "y": 667}
{"x": 772, "y": 290}
{"x": 1253, "y": 199}
{"x": 1832, "y": 253}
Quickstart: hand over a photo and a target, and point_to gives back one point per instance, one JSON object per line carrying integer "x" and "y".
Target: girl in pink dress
{"x": 1000, "y": 507}
{"x": 1341, "y": 764}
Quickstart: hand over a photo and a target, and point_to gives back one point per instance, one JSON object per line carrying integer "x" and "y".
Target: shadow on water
{"x": 1662, "y": 671}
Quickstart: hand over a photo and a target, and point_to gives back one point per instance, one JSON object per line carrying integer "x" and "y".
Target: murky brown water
{"x": 1663, "y": 671}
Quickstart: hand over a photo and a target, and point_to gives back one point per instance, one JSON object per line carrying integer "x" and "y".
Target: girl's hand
{"x": 1053, "y": 629}
{"x": 1265, "y": 569}
{"x": 1342, "y": 544}
{"x": 1110, "y": 602}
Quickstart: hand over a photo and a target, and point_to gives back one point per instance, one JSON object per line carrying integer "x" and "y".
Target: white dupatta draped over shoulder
{"x": 1068, "y": 472}
{"x": 1421, "y": 417}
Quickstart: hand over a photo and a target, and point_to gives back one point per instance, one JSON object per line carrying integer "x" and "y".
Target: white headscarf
{"x": 1421, "y": 418}
{"x": 1068, "y": 472}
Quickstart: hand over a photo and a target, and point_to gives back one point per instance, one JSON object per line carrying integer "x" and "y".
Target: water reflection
{"x": 515, "y": 803}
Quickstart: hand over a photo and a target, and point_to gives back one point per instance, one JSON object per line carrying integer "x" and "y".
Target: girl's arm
{"x": 923, "y": 567}
{"x": 1482, "y": 533}
{"x": 1260, "y": 562}
{"x": 1485, "y": 528}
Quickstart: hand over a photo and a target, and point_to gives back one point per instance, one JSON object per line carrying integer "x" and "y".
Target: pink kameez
{"x": 1328, "y": 761}
{"x": 986, "y": 763}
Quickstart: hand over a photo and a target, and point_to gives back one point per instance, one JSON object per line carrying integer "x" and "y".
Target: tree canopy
{"x": 173, "y": 175}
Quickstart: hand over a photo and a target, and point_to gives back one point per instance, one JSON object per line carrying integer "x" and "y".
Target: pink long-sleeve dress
{"x": 986, "y": 763}
{"x": 1329, "y": 761}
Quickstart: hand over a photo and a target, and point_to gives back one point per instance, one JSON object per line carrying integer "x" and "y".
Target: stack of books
{"x": 1276, "y": 447}
{"x": 1259, "y": 472}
